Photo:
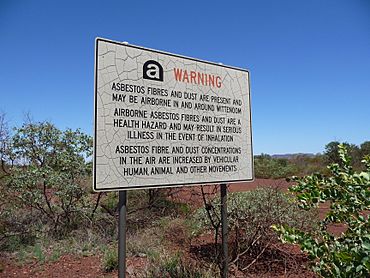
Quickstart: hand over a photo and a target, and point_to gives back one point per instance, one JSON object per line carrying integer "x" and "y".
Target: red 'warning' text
{"x": 199, "y": 78}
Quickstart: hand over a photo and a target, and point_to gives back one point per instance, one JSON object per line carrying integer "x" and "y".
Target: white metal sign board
{"x": 167, "y": 120}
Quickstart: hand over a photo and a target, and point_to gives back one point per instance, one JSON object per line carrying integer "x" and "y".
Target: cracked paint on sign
{"x": 167, "y": 120}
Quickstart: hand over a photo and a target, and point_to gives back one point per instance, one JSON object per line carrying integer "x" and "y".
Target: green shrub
{"x": 38, "y": 253}
{"x": 55, "y": 255}
{"x": 251, "y": 214}
{"x": 110, "y": 202}
{"x": 145, "y": 242}
{"x": 175, "y": 266}
{"x": 18, "y": 228}
{"x": 267, "y": 167}
{"x": 110, "y": 259}
{"x": 49, "y": 173}
{"x": 346, "y": 255}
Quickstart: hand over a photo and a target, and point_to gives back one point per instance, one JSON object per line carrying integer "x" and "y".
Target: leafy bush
{"x": 175, "y": 266}
{"x": 45, "y": 171}
{"x": 331, "y": 153}
{"x": 346, "y": 255}
{"x": 268, "y": 167}
{"x": 145, "y": 242}
{"x": 250, "y": 216}
{"x": 110, "y": 259}
{"x": 308, "y": 164}
{"x": 39, "y": 253}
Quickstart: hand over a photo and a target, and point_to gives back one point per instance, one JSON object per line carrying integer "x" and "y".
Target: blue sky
{"x": 309, "y": 60}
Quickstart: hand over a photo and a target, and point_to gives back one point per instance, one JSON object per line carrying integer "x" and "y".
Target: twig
{"x": 255, "y": 260}
{"x": 245, "y": 251}
{"x": 96, "y": 205}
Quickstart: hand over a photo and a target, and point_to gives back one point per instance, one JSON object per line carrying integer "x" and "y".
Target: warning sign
{"x": 167, "y": 120}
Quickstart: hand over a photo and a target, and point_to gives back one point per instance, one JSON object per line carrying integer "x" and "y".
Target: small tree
{"x": 49, "y": 168}
{"x": 346, "y": 255}
{"x": 331, "y": 153}
{"x": 365, "y": 148}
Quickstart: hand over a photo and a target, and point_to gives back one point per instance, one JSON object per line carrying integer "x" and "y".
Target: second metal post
{"x": 225, "y": 256}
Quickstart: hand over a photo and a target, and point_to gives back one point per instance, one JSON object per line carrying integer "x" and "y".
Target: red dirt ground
{"x": 72, "y": 266}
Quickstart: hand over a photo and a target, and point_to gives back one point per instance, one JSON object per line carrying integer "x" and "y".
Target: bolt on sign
{"x": 166, "y": 120}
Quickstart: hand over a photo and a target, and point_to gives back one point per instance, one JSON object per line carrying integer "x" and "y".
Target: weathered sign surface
{"x": 167, "y": 120}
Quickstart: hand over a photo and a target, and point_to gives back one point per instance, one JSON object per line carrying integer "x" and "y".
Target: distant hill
{"x": 292, "y": 155}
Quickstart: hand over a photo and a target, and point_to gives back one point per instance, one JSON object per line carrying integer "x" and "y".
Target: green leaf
{"x": 344, "y": 256}
{"x": 366, "y": 245}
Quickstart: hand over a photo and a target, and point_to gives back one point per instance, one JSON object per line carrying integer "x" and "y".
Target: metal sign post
{"x": 225, "y": 256}
{"x": 122, "y": 227}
